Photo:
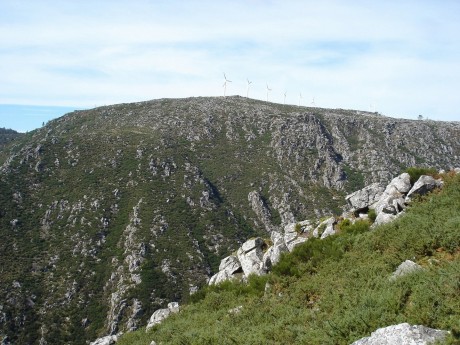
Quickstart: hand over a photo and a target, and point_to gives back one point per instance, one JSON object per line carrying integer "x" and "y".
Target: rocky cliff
{"x": 110, "y": 213}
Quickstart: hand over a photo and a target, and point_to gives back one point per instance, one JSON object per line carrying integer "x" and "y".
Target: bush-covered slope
{"x": 337, "y": 290}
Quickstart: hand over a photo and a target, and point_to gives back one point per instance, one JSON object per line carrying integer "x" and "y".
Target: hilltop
{"x": 110, "y": 213}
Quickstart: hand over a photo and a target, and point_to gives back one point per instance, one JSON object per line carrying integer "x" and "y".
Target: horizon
{"x": 397, "y": 58}
{"x": 25, "y": 118}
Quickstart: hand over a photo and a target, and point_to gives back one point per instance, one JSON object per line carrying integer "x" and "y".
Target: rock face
{"x": 121, "y": 208}
{"x": 403, "y": 334}
{"x": 159, "y": 315}
{"x": 251, "y": 255}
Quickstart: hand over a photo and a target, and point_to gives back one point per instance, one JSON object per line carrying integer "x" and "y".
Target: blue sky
{"x": 400, "y": 58}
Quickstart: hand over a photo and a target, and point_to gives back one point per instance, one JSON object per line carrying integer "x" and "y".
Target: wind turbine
{"x": 313, "y": 102}
{"x": 300, "y": 98}
{"x": 247, "y": 91}
{"x": 225, "y": 83}
{"x": 268, "y": 90}
{"x": 285, "y": 97}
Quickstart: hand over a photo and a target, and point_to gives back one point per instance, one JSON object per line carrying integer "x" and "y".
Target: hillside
{"x": 339, "y": 289}
{"x": 110, "y": 213}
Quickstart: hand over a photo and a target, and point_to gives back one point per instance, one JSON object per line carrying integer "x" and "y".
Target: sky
{"x": 397, "y": 57}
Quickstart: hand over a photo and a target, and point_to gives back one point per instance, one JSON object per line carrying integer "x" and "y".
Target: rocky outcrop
{"x": 423, "y": 185}
{"x": 159, "y": 315}
{"x": 390, "y": 203}
{"x": 403, "y": 334}
{"x": 251, "y": 255}
{"x": 361, "y": 199}
{"x": 228, "y": 269}
{"x": 296, "y": 233}
{"x": 107, "y": 340}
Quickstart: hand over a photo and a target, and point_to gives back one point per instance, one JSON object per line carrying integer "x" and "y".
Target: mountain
{"x": 110, "y": 213}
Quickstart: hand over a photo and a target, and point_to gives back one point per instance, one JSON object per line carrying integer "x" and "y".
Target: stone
{"x": 365, "y": 197}
{"x": 423, "y": 185}
{"x": 107, "y": 340}
{"x": 228, "y": 266}
{"x": 403, "y": 334}
{"x": 292, "y": 237}
{"x": 383, "y": 218}
{"x": 325, "y": 228}
{"x": 250, "y": 256}
{"x": 406, "y": 267}
{"x": 273, "y": 254}
{"x": 457, "y": 170}
{"x": 159, "y": 315}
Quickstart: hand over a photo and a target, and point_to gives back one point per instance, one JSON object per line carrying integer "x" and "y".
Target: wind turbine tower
{"x": 300, "y": 98}
{"x": 313, "y": 104}
{"x": 268, "y": 90}
{"x": 284, "y": 97}
{"x": 247, "y": 90}
{"x": 225, "y": 83}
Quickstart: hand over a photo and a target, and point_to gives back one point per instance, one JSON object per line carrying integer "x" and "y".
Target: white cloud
{"x": 401, "y": 56}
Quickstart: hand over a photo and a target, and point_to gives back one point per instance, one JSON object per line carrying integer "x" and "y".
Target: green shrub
{"x": 372, "y": 215}
{"x": 416, "y": 172}
{"x": 298, "y": 228}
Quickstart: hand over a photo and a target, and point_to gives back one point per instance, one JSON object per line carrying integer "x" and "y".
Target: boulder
{"x": 292, "y": 237}
{"x": 273, "y": 254}
{"x": 365, "y": 197}
{"x": 406, "y": 267}
{"x": 383, "y": 218}
{"x": 403, "y": 334}
{"x": 250, "y": 256}
{"x": 423, "y": 185}
{"x": 392, "y": 199}
{"x": 325, "y": 228}
{"x": 227, "y": 268}
{"x": 107, "y": 340}
{"x": 159, "y": 315}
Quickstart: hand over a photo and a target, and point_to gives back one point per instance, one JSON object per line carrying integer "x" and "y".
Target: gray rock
{"x": 107, "y": 340}
{"x": 250, "y": 256}
{"x": 392, "y": 199}
{"x": 228, "y": 266}
{"x": 406, "y": 267}
{"x": 401, "y": 183}
{"x": 292, "y": 237}
{"x": 403, "y": 334}
{"x": 325, "y": 228}
{"x": 365, "y": 197}
{"x": 383, "y": 218}
{"x": 423, "y": 185}
{"x": 159, "y": 315}
{"x": 273, "y": 254}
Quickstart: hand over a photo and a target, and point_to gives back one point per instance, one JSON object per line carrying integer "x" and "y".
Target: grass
{"x": 335, "y": 291}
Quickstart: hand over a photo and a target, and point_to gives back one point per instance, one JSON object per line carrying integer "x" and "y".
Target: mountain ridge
{"x": 110, "y": 213}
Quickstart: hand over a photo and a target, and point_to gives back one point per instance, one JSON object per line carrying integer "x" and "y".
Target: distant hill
{"x": 8, "y": 135}
{"x": 110, "y": 213}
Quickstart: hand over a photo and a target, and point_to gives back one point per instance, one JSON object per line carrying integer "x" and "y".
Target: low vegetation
{"x": 337, "y": 290}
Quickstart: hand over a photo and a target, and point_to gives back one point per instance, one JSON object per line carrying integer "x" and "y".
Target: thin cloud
{"x": 401, "y": 56}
